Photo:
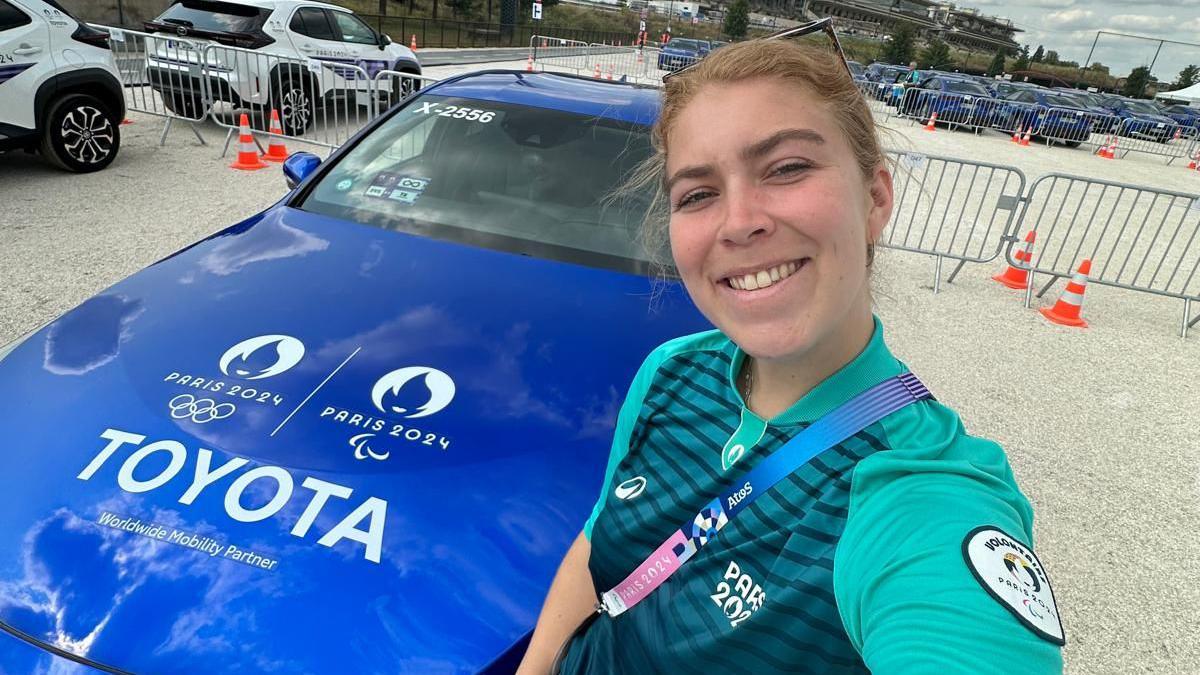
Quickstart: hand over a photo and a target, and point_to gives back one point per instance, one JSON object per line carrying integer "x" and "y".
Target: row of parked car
{"x": 1059, "y": 113}
{"x": 682, "y": 52}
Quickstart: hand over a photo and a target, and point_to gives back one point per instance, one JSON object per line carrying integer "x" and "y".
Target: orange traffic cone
{"x": 1192, "y": 164}
{"x": 596, "y": 73}
{"x": 543, "y": 43}
{"x": 412, "y": 44}
{"x": 247, "y": 159}
{"x": 1110, "y": 151}
{"x": 610, "y": 72}
{"x": 126, "y": 121}
{"x": 1025, "y": 138}
{"x": 1066, "y": 311}
{"x": 276, "y": 150}
{"x": 1018, "y": 277}
{"x": 931, "y": 124}
{"x": 1016, "y": 137}
{"x": 1177, "y": 134}
{"x": 529, "y": 64}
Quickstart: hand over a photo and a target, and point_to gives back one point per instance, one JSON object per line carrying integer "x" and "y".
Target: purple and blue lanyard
{"x": 848, "y": 419}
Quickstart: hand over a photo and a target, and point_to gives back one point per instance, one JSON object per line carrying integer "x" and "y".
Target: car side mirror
{"x": 383, "y": 40}
{"x": 298, "y": 166}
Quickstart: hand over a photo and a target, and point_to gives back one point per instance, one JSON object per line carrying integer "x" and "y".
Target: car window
{"x": 1142, "y": 107}
{"x": 313, "y": 22}
{"x": 934, "y": 85}
{"x": 221, "y": 17}
{"x": 500, "y": 175}
{"x": 354, "y": 30}
{"x": 11, "y": 17}
{"x": 964, "y": 87}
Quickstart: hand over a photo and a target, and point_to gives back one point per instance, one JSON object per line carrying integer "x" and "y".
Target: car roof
{"x": 637, "y": 104}
{"x": 286, "y": 4}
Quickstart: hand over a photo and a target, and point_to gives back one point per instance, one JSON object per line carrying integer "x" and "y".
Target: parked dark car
{"x": 956, "y": 100}
{"x": 1002, "y": 88}
{"x": 682, "y": 52}
{"x": 1140, "y": 119}
{"x": 1103, "y": 119}
{"x": 1185, "y": 116}
{"x": 1046, "y": 114}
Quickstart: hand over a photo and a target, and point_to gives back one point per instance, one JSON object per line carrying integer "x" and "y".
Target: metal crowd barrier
{"x": 624, "y": 63}
{"x": 1154, "y": 138}
{"x": 876, "y": 95}
{"x": 955, "y": 109}
{"x": 159, "y": 76}
{"x": 952, "y": 209}
{"x": 559, "y": 53}
{"x": 1138, "y": 238}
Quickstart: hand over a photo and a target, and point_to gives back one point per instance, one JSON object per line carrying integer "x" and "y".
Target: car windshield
{"x": 964, "y": 87}
{"x": 856, "y": 68}
{"x": 680, "y": 43}
{"x": 528, "y": 180}
{"x": 220, "y": 17}
{"x": 1142, "y": 107}
{"x": 1063, "y": 101}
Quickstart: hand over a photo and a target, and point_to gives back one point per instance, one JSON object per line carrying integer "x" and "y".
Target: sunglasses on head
{"x": 819, "y": 26}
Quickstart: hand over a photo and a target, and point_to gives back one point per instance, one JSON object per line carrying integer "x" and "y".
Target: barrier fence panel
{"x": 1100, "y": 127}
{"x": 559, "y": 54}
{"x": 1165, "y": 139}
{"x": 1069, "y": 126}
{"x": 876, "y": 94}
{"x": 952, "y": 209}
{"x": 953, "y": 109}
{"x": 321, "y": 102}
{"x": 627, "y": 63}
{"x": 1137, "y": 238}
{"x": 159, "y": 75}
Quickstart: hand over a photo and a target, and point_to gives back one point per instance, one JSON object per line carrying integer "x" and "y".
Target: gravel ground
{"x": 1094, "y": 420}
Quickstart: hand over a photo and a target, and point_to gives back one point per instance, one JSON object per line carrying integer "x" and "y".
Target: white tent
{"x": 1190, "y": 94}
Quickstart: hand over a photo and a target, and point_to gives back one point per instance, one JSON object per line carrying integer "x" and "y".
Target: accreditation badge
{"x": 1013, "y": 575}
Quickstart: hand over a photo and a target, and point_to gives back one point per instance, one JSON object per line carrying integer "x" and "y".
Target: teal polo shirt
{"x": 904, "y": 549}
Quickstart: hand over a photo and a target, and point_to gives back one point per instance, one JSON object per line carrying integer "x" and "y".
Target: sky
{"x": 1069, "y": 27}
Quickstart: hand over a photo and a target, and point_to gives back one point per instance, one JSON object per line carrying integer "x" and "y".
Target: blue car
{"x": 882, "y": 77}
{"x": 356, "y": 432}
{"x": 1141, "y": 119}
{"x": 1047, "y": 114}
{"x": 956, "y": 100}
{"x": 1185, "y": 116}
{"x": 1003, "y": 88}
{"x": 682, "y": 52}
{"x": 1103, "y": 119}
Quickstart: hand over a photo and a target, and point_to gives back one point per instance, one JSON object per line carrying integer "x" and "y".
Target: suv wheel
{"x": 296, "y": 105}
{"x": 80, "y": 134}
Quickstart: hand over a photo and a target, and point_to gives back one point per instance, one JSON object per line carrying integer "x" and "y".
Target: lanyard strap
{"x": 848, "y": 419}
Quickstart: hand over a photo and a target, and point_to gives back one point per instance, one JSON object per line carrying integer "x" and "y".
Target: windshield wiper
{"x": 180, "y": 22}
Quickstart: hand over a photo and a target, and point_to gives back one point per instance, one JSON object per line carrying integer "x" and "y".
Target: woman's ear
{"x": 880, "y": 192}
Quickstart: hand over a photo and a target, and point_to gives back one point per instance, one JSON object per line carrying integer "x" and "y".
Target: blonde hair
{"x": 819, "y": 71}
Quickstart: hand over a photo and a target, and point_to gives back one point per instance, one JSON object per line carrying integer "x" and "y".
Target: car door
{"x": 26, "y": 60}
{"x": 361, "y": 40}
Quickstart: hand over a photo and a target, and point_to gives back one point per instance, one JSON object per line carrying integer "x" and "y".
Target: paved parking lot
{"x": 1096, "y": 422}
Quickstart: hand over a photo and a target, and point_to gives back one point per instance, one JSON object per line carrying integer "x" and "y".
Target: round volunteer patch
{"x": 1014, "y": 576}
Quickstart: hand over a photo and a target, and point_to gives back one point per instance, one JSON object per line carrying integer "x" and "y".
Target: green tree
{"x": 1099, "y": 67}
{"x": 463, "y": 8}
{"x": 1038, "y": 54}
{"x": 1188, "y": 76}
{"x": 901, "y": 48}
{"x": 1135, "y": 84}
{"x": 1022, "y": 59}
{"x": 737, "y": 19}
{"x": 996, "y": 67}
{"x": 1052, "y": 58}
{"x": 935, "y": 55}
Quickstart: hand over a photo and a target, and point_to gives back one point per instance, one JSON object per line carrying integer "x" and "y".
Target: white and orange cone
{"x": 1025, "y": 138}
{"x": 412, "y": 44}
{"x": 276, "y": 150}
{"x": 1018, "y": 277}
{"x": 931, "y": 125}
{"x": 1066, "y": 312}
{"x": 1016, "y": 137}
{"x": 596, "y": 73}
{"x": 610, "y": 72}
{"x": 247, "y": 159}
{"x": 529, "y": 64}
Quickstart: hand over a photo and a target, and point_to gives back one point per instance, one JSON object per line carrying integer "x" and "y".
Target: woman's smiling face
{"x": 771, "y": 216}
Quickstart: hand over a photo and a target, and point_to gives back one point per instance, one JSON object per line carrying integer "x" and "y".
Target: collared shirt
{"x": 857, "y": 562}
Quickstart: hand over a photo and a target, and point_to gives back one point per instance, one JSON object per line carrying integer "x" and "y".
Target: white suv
{"x": 59, "y": 88}
{"x": 282, "y": 54}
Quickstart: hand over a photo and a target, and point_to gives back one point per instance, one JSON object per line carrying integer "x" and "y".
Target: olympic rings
{"x": 200, "y": 411}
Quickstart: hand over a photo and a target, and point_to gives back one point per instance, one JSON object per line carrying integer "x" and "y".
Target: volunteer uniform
{"x": 905, "y": 548}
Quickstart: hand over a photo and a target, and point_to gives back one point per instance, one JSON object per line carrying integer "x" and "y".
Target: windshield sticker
{"x": 382, "y": 184}
{"x": 408, "y": 189}
{"x": 456, "y": 112}
{"x": 344, "y": 185}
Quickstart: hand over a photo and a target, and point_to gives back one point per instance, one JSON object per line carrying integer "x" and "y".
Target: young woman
{"x": 902, "y": 548}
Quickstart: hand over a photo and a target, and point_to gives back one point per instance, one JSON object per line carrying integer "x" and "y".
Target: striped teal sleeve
{"x": 908, "y": 599}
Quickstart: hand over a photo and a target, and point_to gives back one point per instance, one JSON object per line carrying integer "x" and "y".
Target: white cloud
{"x": 1072, "y": 19}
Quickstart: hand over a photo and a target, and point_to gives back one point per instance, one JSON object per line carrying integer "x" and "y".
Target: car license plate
{"x": 1070, "y": 120}
{"x": 1160, "y": 125}
{"x": 175, "y": 44}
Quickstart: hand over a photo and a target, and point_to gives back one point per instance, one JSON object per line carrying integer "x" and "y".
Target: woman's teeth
{"x": 764, "y": 278}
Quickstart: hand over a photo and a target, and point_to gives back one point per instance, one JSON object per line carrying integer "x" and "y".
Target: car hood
{"x": 309, "y": 445}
